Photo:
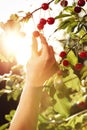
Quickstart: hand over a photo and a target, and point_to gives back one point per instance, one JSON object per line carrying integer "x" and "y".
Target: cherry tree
{"x": 65, "y": 94}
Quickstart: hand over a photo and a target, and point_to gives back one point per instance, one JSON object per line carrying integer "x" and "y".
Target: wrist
{"x": 33, "y": 91}
{"x": 33, "y": 83}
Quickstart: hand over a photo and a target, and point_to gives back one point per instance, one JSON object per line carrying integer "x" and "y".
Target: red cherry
{"x": 64, "y": 3}
{"x": 81, "y": 2}
{"x": 43, "y": 21}
{"x": 65, "y": 62}
{"x": 77, "y": 9}
{"x": 45, "y": 6}
{"x": 81, "y": 105}
{"x": 36, "y": 34}
{"x": 86, "y": 54}
{"x": 62, "y": 54}
{"x": 82, "y": 54}
{"x": 40, "y": 26}
{"x": 50, "y": 20}
{"x": 78, "y": 66}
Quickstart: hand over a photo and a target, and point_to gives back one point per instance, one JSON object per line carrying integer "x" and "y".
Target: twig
{"x": 67, "y": 119}
{"x": 40, "y": 7}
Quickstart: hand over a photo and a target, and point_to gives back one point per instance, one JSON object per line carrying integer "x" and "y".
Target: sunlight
{"x": 18, "y": 46}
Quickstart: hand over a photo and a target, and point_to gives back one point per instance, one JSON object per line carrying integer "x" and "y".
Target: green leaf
{"x": 72, "y": 81}
{"x": 56, "y": 1}
{"x": 4, "y": 126}
{"x": 7, "y": 117}
{"x": 83, "y": 72}
{"x": 72, "y": 58}
{"x": 72, "y": 26}
{"x": 84, "y": 75}
{"x": 62, "y": 16}
{"x": 67, "y": 22}
{"x": 63, "y": 24}
{"x": 12, "y": 112}
{"x": 16, "y": 94}
{"x": 69, "y": 9}
{"x": 62, "y": 106}
{"x": 75, "y": 122}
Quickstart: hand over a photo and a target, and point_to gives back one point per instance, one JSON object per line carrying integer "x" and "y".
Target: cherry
{"x": 35, "y": 33}
{"x": 81, "y": 2}
{"x": 40, "y": 26}
{"x": 45, "y": 6}
{"x": 62, "y": 54}
{"x": 81, "y": 105}
{"x": 50, "y": 20}
{"x": 82, "y": 54}
{"x": 65, "y": 63}
{"x": 78, "y": 66}
{"x": 64, "y": 3}
{"x": 43, "y": 21}
{"x": 86, "y": 54}
{"x": 77, "y": 9}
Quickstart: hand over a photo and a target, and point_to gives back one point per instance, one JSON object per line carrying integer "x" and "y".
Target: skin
{"x": 40, "y": 67}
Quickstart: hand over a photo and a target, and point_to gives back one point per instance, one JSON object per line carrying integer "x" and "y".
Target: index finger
{"x": 45, "y": 47}
{"x": 34, "y": 46}
{"x": 43, "y": 39}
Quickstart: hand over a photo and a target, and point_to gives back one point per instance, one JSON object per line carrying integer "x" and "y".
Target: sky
{"x": 12, "y": 6}
{"x": 8, "y": 7}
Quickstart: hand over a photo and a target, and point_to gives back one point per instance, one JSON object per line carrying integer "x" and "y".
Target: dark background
{"x": 5, "y": 106}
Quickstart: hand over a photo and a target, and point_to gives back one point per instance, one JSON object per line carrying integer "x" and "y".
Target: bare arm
{"x": 40, "y": 67}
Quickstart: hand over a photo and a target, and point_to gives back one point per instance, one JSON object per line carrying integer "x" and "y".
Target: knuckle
{"x": 48, "y": 58}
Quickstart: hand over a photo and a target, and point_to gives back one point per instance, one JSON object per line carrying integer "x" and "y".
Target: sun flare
{"x": 18, "y": 46}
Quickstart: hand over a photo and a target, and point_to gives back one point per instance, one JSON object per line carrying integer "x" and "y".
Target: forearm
{"x": 40, "y": 67}
{"x": 27, "y": 112}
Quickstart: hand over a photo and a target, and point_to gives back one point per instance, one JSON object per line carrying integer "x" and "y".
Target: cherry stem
{"x": 51, "y": 1}
{"x": 28, "y": 15}
{"x": 83, "y": 36}
{"x": 40, "y": 7}
{"x": 35, "y": 10}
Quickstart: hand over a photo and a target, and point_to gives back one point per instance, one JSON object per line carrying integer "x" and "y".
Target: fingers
{"x": 45, "y": 47}
{"x": 34, "y": 46}
{"x": 55, "y": 66}
{"x": 43, "y": 40}
{"x": 45, "y": 51}
{"x": 51, "y": 51}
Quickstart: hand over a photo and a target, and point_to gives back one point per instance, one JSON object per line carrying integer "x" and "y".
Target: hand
{"x": 42, "y": 64}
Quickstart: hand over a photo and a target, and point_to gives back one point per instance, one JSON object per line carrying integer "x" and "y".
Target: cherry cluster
{"x": 80, "y": 4}
{"x": 43, "y": 21}
{"x": 51, "y": 20}
{"x": 77, "y": 8}
{"x": 65, "y": 62}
